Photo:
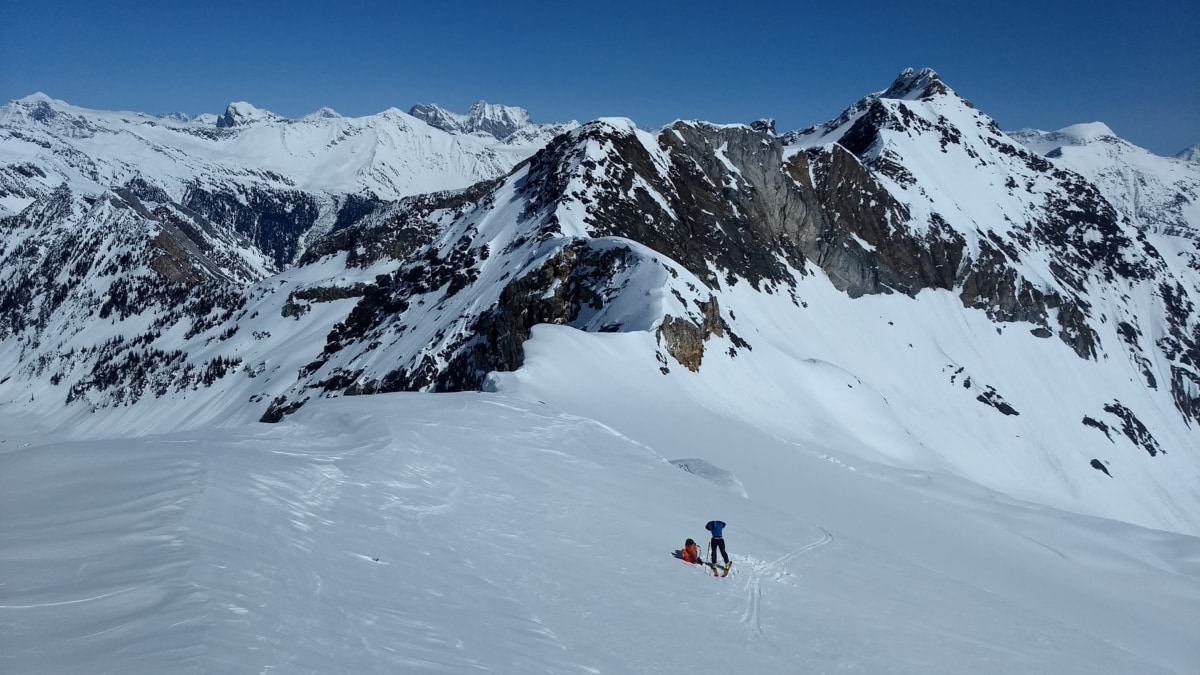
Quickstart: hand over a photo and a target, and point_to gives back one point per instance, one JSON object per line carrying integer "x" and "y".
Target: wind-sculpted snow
{"x": 473, "y": 532}
{"x": 721, "y": 477}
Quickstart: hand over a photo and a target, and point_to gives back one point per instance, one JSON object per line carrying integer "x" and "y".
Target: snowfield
{"x": 496, "y": 532}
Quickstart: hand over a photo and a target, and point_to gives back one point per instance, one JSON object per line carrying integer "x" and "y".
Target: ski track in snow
{"x": 752, "y": 616}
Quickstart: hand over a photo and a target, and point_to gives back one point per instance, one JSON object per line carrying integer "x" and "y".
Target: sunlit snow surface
{"x": 497, "y": 532}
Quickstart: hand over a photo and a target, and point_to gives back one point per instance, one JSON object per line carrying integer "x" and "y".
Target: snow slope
{"x": 493, "y": 532}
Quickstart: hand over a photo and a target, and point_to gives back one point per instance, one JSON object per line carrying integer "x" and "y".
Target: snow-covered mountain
{"x": 388, "y": 155}
{"x": 1191, "y": 154}
{"x": 151, "y": 219}
{"x": 966, "y": 356}
{"x": 249, "y": 173}
{"x": 729, "y": 248}
{"x": 496, "y": 121}
{"x": 503, "y": 123}
{"x": 1157, "y": 194}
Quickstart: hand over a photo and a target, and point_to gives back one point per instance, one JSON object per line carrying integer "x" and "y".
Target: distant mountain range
{"x": 237, "y": 266}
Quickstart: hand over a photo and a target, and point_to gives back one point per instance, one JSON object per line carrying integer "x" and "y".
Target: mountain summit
{"x": 243, "y": 114}
{"x": 914, "y": 85}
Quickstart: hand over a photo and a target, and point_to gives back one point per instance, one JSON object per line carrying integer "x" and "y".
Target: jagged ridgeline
{"x": 133, "y": 277}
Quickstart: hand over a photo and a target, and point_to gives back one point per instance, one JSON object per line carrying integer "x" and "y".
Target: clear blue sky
{"x": 1132, "y": 65}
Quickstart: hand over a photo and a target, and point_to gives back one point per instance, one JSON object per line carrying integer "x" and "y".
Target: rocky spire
{"x": 913, "y": 85}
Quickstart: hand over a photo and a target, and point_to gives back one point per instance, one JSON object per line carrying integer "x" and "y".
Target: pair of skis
{"x": 717, "y": 569}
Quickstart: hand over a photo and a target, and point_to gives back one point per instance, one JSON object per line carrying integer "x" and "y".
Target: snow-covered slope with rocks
{"x": 246, "y": 177}
{"x": 1157, "y": 194}
{"x": 1017, "y": 319}
{"x": 1191, "y": 154}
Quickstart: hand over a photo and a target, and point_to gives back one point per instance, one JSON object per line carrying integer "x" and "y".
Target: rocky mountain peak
{"x": 909, "y": 85}
{"x": 241, "y": 114}
{"x": 916, "y": 85}
{"x": 436, "y": 116}
{"x": 766, "y": 125}
{"x": 498, "y": 121}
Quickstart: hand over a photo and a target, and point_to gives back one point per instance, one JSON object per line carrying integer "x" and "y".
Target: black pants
{"x": 718, "y": 543}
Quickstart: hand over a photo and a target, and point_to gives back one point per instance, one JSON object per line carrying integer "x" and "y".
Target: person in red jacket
{"x": 690, "y": 552}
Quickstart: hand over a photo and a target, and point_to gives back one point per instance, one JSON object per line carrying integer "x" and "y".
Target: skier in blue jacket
{"x": 717, "y": 528}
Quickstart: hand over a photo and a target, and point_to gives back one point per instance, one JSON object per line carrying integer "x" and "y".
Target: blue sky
{"x": 1133, "y": 66}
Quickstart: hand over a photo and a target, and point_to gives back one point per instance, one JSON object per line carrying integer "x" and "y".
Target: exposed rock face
{"x": 866, "y": 249}
{"x": 706, "y": 195}
{"x": 1133, "y": 428}
{"x": 368, "y": 230}
{"x": 684, "y": 339}
{"x": 576, "y": 278}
